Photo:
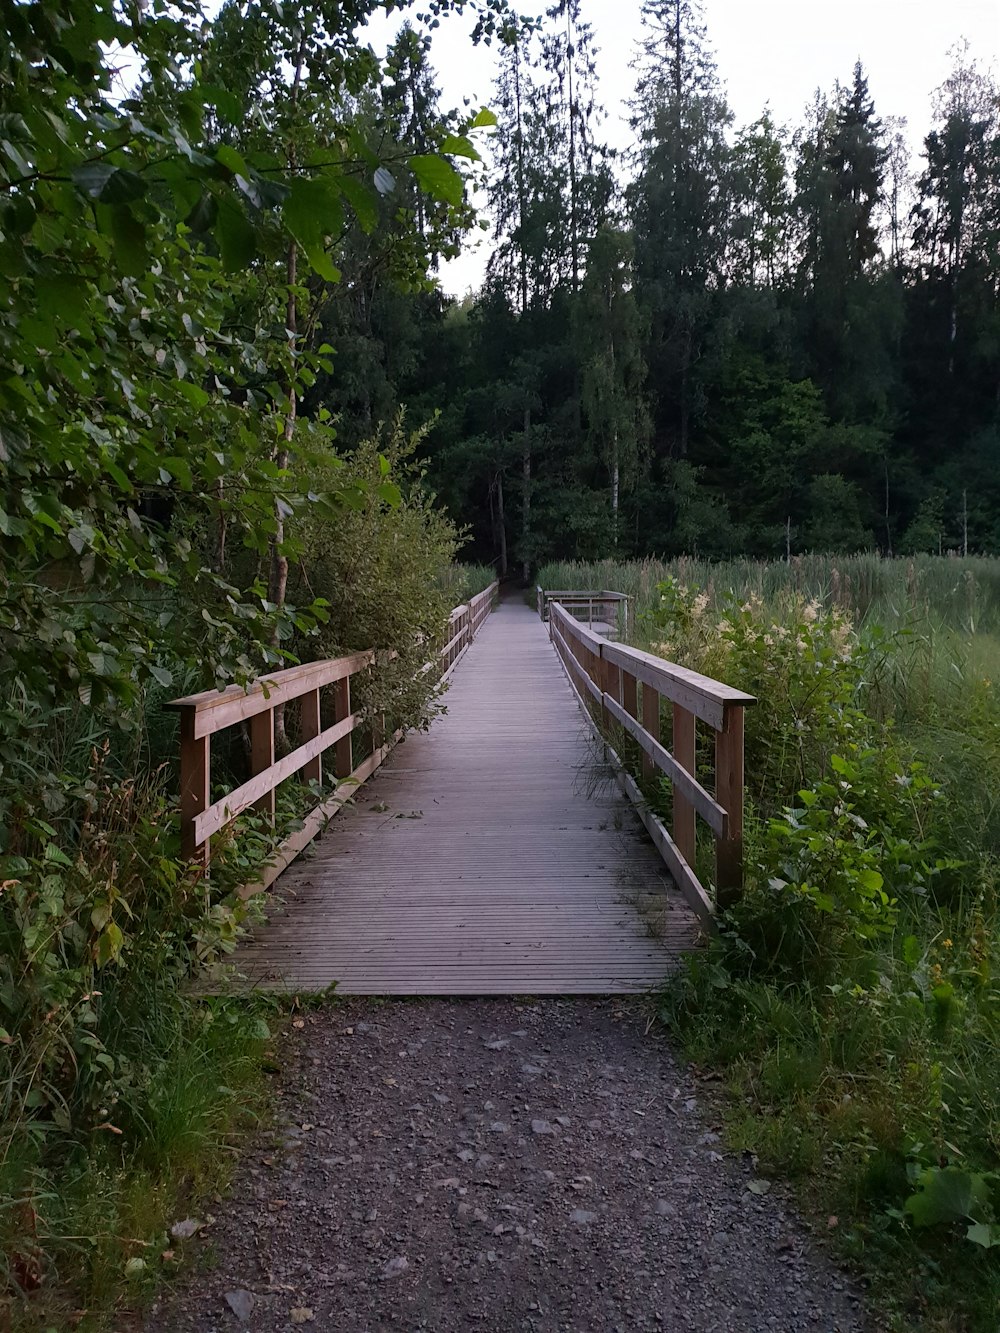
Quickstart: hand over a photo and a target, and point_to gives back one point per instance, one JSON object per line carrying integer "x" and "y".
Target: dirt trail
{"x": 529, "y": 1166}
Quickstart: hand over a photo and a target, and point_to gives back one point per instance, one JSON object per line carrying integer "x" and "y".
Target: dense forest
{"x": 752, "y": 339}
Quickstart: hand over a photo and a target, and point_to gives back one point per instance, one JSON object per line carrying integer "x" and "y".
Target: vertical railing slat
{"x": 683, "y": 749}
{"x": 195, "y": 785}
{"x": 262, "y": 755}
{"x": 729, "y": 794}
{"x": 309, "y": 727}
{"x": 343, "y": 750}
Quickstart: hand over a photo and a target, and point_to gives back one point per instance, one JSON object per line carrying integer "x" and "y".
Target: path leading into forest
{"x": 512, "y": 1165}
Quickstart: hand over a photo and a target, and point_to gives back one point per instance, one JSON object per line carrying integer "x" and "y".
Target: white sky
{"x": 768, "y": 51}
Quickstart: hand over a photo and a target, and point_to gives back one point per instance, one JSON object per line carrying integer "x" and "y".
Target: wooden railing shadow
{"x": 621, "y": 687}
{"x": 205, "y": 715}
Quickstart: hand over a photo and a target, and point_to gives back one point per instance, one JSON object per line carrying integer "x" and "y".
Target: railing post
{"x": 630, "y": 694}
{"x": 195, "y": 785}
{"x": 262, "y": 755}
{"x": 683, "y": 747}
{"x": 651, "y": 723}
{"x": 539, "y": 601}
{"x": 343, "y": 750}
{"x": 729, "y": 794}
{"x": 309, "y": 728}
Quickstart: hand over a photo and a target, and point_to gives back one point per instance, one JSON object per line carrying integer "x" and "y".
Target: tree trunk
{"x": 526, "y": 499}
{"x": 614, "y": 489}
{"x": 502, "y": 526}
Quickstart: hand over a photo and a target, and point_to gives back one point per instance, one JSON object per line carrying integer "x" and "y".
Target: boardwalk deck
{"x": 490, "y": 856}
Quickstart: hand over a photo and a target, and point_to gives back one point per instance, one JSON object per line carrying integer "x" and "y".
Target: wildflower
{"x": 946, "y": 944}
{"x": 810, "y": 611}
{"x": 699, "y": 604}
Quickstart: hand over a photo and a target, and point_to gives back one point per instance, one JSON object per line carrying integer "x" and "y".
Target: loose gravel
{"x": 529, "y": 1166}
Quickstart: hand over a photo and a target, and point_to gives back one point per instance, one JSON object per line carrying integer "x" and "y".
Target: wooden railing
{"x": 464, "y": 624}
{"x": 623, "y": 688}
{"x": 204, "y": 715}
{"x": 597, "y": 607}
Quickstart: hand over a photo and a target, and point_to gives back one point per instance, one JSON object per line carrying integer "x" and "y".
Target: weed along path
{"x": 522, "y": 1165}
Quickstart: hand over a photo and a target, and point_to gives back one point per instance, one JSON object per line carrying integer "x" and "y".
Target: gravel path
{"x": 529, "y": 1166}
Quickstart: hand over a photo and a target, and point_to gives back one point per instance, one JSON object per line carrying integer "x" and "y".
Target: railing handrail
{"x": 211, "y": 711}
{"x": 609, "y": 675}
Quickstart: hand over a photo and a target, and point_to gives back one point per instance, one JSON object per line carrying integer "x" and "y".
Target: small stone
{"x": 302, "y": 1314}
{"x": 665, "y": 1209}
{"x": 541, "y": 1127}
{"x": 531, "y": 1069}
{"x": 498, "y": 1127}
{"x": 440, "y": 1098}
{"x": 563, "y": 1120}
{"x": 241, "y": 1303}
{"x": 466, "y": 1155}
{"x": 395, "y": 1266}
{"x": 186, "y": 1229}
{"x": 496, "y": 1045}
{"x": 582, "y": 1217}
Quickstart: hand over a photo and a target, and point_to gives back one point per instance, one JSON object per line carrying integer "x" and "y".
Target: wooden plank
{"x": 309, "y": 729}
{"x": 262, "y": 758}
{"x": 195, "y": 775}
{"x": 216, "y": 709}
{"x": 343, "y": 750}
{"x": 228, "y": 807}
{"x": 695, "y": 794}
{"x": 704, "y": 697}
{"x": 729, "y": 793}
{"x": 684, "y": 743}
{"x": 651, "y": 725}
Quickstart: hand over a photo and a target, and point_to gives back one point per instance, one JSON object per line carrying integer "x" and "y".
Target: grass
{"x": 861, "y": 1061}
{"x": 85, "y": 1226}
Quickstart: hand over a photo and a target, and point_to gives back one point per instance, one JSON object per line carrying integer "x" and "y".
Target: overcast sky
{"x": 768, "y": 51}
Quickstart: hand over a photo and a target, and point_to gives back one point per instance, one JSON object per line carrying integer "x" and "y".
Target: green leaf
{"x": 484, "y": 119}
{"x": 946, "y": 1194}
{"x": 459, "y": 145}
{"x": 232, "y": 160}
{"x": 92, "y": 177}
{"x": 361, "y": 200}
{"x": 129, "y": 236}
{"x": 982, "y": 1233}
{"x": 236, "y": 237}
{"x": 437, "y": 177}
{"x": 312, "y": 212}
{"x": 109, "y": 945}
{"x": 228, "y": 105}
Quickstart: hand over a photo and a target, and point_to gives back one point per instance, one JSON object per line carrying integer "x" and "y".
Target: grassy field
{"x": 852, "y": 998}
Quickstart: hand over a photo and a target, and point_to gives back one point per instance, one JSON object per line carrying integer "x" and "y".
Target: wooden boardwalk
{"x": 492, "y": 855}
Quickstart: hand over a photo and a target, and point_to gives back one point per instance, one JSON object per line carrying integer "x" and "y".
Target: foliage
{"x": 379, "y": 570}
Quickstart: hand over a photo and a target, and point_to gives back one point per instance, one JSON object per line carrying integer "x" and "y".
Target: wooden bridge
{"x": 499, "y": 852}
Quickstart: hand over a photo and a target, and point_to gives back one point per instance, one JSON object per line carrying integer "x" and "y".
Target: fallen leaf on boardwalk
{"x": 186, "y": 1229}
{"x": 301, "y": 1314}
